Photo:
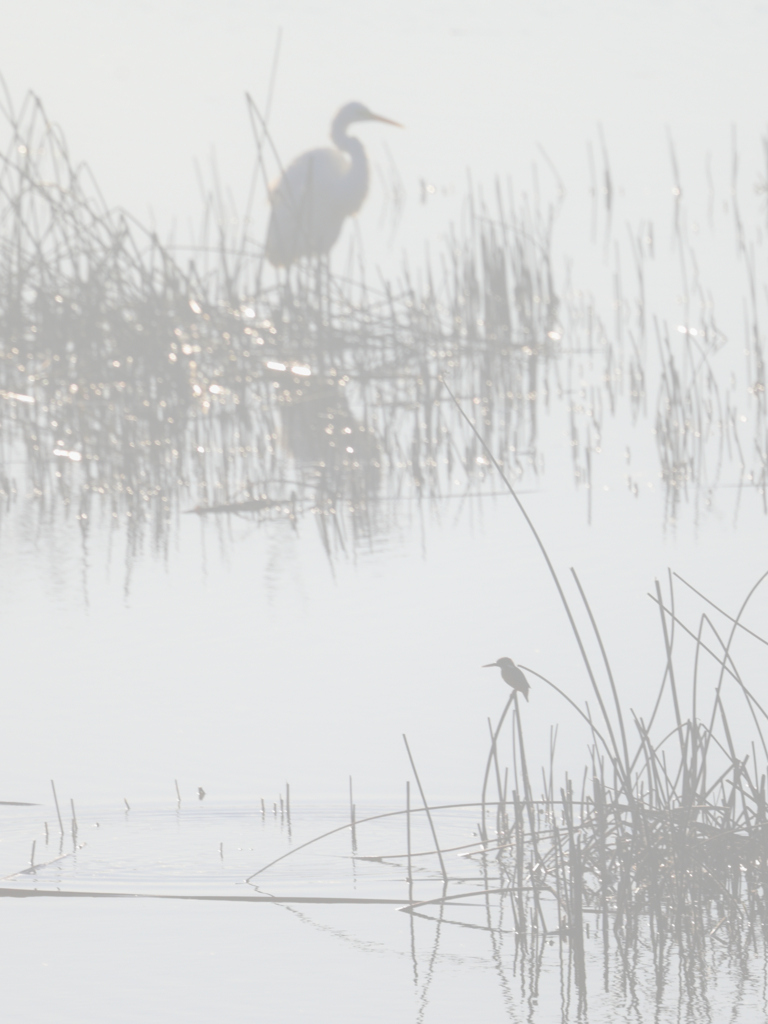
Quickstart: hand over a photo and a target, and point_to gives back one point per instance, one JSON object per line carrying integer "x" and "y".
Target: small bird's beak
{"x": 386, "y": 120}
{"x": 492, "y": 665}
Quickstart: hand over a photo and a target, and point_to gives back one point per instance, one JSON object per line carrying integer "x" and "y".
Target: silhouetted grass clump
{"x": 140, "y": 379}
{"x": 173, "y": 384}
{"x": 658, "y": 847}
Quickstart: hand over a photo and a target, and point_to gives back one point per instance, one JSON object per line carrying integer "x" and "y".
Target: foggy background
{"x": 239, "y": 663}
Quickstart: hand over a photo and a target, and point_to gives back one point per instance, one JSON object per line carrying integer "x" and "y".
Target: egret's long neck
{"x": 356, "y": 178}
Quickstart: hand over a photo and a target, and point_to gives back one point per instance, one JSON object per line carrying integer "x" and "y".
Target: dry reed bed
{"x": 660, "y": 846}
{"x": 670, "y": 823}
{"x": 655, "y": 854}
{"x": 660, "y": 843}
{"x": 164, "y": 384}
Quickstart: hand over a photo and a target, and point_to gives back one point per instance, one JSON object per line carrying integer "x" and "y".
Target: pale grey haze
{"x": 280, "y": 479}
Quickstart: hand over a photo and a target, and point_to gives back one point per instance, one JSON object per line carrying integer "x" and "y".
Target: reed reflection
{"x": 134, "y": 385}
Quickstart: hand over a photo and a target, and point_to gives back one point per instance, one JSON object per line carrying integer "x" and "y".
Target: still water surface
{"x": 336, "y": 943}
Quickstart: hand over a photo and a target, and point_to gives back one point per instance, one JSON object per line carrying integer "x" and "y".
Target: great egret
{"x": 511, "y": 675}
{"x": 318, "y": 190}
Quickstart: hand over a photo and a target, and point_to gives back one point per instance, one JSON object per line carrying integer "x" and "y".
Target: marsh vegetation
{"x": 143, "y": 379}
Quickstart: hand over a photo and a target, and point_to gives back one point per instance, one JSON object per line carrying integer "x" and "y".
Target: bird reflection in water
{"x": 331, "y": 446}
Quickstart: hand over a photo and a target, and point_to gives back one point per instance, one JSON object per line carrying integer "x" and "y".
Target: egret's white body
{"x": 511, "y": 675}
{"x": 317, "y": 191}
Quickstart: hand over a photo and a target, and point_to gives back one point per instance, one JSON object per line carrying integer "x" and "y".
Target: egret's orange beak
{"x": 385, "y": 120}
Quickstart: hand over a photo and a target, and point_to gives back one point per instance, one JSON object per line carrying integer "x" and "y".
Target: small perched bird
{"x": 511, "y": 675}
{"x": 318, "y": 191}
